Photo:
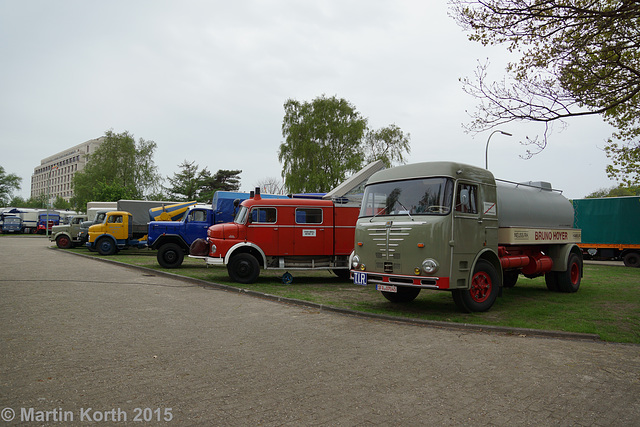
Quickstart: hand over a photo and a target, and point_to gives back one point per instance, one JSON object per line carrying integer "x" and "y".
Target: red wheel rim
{"x": 575, "y": 273}
{"x": 480, "y": 287}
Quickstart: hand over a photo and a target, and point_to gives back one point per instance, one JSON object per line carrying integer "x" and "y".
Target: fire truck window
{"x": 266, "y": 215}
{"x": 308, "y": 216}
{"x": 467, "y": 199}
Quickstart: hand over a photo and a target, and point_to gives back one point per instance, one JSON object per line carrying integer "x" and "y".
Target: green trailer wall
{"x": 609, "y": 220}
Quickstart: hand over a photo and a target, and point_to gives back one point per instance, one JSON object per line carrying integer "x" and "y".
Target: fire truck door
{"x": 263, "y": 229}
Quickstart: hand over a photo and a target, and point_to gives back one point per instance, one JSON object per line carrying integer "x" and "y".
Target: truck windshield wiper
{"x": 405, "y": 208}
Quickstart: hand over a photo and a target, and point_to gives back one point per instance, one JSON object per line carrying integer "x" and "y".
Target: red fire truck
{"x": 287, "y": 234}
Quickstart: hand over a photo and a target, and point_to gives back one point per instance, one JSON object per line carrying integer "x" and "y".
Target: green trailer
{"x": 609, "y": 228}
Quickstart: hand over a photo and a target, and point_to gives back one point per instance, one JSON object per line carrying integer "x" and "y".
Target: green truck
{"x": 66, "y": 235}
{"x": 454, "y": 227}
{"x": 609, "y": 228}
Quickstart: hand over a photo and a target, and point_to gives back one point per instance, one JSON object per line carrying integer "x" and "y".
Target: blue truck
{"x": 172, "y": 239}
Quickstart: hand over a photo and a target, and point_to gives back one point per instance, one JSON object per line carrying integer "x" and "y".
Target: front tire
{"x": 243, "y": 268}
{"x": 482, "y": 292}
{"x": 170, "y": 255}
{"x": 106, "y": 246}
{"x": 64, "y": 242}
{"x": 405, "y": 294}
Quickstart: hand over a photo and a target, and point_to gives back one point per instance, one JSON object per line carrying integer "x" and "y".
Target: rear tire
{"x": 551, "y": 280}
{"x": 244, "y": 268}
{"x": 569, "y": 280}
{"x": 632, "y": 259}
{"x": 405, "y": 294}
{"x": 482, "y": 292}
{"x": 170, "y": 255}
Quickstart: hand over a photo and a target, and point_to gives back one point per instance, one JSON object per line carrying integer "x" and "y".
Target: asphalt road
{"x": 84, "y": 341}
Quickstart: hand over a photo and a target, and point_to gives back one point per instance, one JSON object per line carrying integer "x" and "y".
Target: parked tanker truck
{"x": 451, "y": 226}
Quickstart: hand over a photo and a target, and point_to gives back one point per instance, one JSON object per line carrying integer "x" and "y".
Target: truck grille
{"x": 388, "y": 237}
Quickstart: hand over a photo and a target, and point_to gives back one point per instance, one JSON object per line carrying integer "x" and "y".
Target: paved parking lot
{"x": 86, "y": 341}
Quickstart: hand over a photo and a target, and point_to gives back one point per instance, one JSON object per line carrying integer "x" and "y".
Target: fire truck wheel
{"x": 243, "y": 268}
{"x": 632, "y": 259}
{"x": 483, "y": 290}
{"x": 63, "y": 242}
{"x": 569, "y": 280}
{"x": 404, "y": 294}
{"x": 510, "y": 278}
{"x": 106, "y": 246}
{"x": 170, "y": 255}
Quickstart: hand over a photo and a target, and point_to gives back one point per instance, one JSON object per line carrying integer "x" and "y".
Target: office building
{"x": 53, "y": 178}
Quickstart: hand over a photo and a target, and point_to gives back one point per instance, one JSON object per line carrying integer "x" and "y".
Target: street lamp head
{"x": 486, "y": 151}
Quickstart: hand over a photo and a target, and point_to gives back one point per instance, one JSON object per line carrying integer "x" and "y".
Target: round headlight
{"x": 429, "y": 266}
{"x": 213, "y": 249}
{"x": 355, "y": 262}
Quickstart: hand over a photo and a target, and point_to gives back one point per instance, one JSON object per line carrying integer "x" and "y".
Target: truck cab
{"x": 116, "y": 232}
{"x": 66, "y": 235}
{"x": 11, "y": 224}
{"x": 173, "y": 238}
{"x": 46, "y": 221}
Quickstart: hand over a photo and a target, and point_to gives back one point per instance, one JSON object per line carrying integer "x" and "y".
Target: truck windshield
{"x": 425, "y": 196}
{"x": 241, "y": 216}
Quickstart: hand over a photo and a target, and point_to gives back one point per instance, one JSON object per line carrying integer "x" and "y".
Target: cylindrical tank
{"x": 532, "y": 204}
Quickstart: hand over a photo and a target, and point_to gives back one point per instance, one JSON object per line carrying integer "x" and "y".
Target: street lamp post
{"x": 46, "y": 226}
{"x": 486, "y": 151}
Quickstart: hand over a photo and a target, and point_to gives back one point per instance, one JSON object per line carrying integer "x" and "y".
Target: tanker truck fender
{"x": 492, "y": 257}
{"x": 559, "y": 254}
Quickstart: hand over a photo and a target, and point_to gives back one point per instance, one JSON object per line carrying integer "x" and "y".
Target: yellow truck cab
{"x": 116, "y": 232}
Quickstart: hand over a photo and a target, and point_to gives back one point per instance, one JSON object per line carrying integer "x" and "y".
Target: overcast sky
{"x": 207, "y": 80}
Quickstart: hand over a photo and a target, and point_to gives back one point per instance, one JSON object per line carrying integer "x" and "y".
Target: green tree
{"x": 327, "y": 139}
{"x": 617, "y": 191}
{"x": 387, "y": 144}
{"x": 187, "y": 184}
{"x": 61, "y": 203}
{"x": 577, "y": 58}
{"x": 120, "y": 168}
{"x": 18, "y": 201}
{"x": 223, "y": 180}
{"x": 8, "y": 184}
{"x": 322, "y": 141}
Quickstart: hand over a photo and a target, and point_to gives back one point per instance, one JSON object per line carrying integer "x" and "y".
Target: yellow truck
{"x": 116, "y": 232}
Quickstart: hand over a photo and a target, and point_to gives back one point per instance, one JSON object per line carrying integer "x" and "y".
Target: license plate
{"x": 387, "y": 288}
{"x": 360, "y": 278}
